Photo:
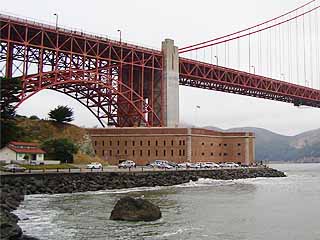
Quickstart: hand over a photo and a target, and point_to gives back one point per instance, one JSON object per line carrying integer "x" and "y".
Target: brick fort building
{"x": 145, "y": 145}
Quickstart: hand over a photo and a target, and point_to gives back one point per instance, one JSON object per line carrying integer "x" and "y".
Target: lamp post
{"x": 196, "y": 113}
{"x": 217, "y": 59}
{"x": 119, "y": 34}
{"x": 57, "y": 18}
{"x": 254, "y": 69}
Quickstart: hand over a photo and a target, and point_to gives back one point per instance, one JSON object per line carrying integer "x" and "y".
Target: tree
{"x": 61, "y": 149}
{"x": 61, "y": 114}
{"x": 34, "y": 117}
{"x": 10, "y": 89}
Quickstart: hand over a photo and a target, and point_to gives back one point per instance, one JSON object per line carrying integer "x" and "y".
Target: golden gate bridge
{"x": 128, "y": 85}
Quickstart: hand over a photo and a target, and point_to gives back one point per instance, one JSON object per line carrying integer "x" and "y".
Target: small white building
{"x": 22, "y": 152}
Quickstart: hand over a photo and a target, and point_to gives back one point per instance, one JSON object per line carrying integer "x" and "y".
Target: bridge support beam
{"x": 170, "y": 83}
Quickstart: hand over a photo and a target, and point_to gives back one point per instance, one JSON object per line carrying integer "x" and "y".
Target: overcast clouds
{"x": 147, "y": 23}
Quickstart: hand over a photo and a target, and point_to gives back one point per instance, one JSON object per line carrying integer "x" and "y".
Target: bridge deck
{"x": 25, "y": 42}
{"x": 212, "y": 77}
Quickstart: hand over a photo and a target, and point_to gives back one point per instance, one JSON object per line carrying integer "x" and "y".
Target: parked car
{"x": 173, "y": 164}
{"x": 194, "y": 165}
{"x": 229, "y": 164}
{"x": 94, "y": 165}
{"x": 159, "y": 163}
{"x": 184, "y": 165}
{"x": 14, "y": 168}
{"x": 127, "y": 164}
{"x": 209, "y": 165}
{"x": 166, "y": 166}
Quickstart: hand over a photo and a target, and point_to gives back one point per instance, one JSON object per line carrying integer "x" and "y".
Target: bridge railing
{"x": 77, "y": 31}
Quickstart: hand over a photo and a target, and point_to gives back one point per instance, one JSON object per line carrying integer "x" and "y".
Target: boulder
{"x": 9, "y": 228}
{"x": 135, "y": 209}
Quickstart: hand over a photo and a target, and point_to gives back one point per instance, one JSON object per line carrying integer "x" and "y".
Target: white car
{"x": 165, "y": 166}
{"x": 13, "y": 168}
{"x": 94, "y": 165}
{"x": 194, "y": 165}
{"x": 127, "y": 164}
{"x": 209, "y": 165}
{"x": 159, "y": 163}
{"x": 184, "y": 165}
{"x": 229, "y": 164}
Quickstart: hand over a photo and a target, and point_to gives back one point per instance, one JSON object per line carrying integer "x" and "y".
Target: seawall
{"x": 14, "y": 187}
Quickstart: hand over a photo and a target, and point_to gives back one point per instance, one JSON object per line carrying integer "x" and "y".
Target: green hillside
{"x": 271, "y": 146}
{"x": 41, "y": 130}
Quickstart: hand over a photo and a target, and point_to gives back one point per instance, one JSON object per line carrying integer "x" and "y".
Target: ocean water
{"x": 251, "y": 209}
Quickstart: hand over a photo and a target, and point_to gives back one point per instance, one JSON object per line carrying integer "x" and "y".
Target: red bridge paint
{"x": 120, "y": 83}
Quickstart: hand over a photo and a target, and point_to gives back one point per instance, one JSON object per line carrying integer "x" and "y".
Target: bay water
{"x": 249, "y": 209}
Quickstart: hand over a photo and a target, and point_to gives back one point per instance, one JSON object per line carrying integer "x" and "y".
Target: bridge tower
{"x": 170, "y": 83}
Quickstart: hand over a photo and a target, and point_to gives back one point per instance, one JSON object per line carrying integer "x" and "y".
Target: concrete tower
{"x": 171, "y": 83}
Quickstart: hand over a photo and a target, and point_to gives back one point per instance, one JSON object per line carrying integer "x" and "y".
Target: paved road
{"x": 106, "y": 169}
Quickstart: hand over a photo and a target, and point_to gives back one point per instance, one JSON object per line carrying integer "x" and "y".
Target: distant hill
{"x": 271, "y": 146}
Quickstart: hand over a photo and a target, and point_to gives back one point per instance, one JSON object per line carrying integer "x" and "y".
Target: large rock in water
{"x": 135, "y": 209}
{"x": 9, "y": 228}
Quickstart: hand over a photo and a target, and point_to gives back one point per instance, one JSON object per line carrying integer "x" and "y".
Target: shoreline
{"x": 15, "y": 187}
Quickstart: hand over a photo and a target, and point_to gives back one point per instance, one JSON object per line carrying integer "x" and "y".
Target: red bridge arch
{"x": 105, "y": 96}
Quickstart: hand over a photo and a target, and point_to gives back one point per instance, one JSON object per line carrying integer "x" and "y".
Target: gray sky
{"x": 147, "y": 23}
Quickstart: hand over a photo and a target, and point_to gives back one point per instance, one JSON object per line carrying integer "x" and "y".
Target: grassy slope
{"x": 41, "y": 130}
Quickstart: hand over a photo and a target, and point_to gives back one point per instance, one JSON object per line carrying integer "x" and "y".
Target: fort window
{"x": 179, "y": 152}
{"x": 225, "y": 144}
{"x": 202, "y": 154}
{"x": 212, "y": 154}
{"x": 148, "y": 153}
{"x": 220, "y": 154}
{"x": 184, "y": 152}
{"x": 225, "y": 154}
{"x": 156, "y": 152}
{"x": 239, "y": 154}
{"x": 239, "y": 144}
{"x": 164, "y": 153}
{"x": 118, "y": 152}
{"x": 133, "y": 143}
{"x": 102, "y": 152}
{"x": 125, "y": 152}
{"x": 211, "y": 144}
{"x": 95, "y": 151}
{"x": 110, "y": 143}
{"x": 132, "y": 152}
{"x": 179, "y": 142}
{"x": 118, "y": 143}
{"x": 202, "y": 143}
{"x": 157, "y": 143}
{"x": 102, "y": 143}
{"x": 172, "y": 153}
{"x": 110, "y": 153}
{"x": 140, "y": 143}
{"x": 140, "y": 153}
{"x": 164, "y": 143}
{"x": 95, "y": 143}
{"x": 125, "y": 143}
{"x": 148, "y": 143}
{"x": 219, "y": 144}
{"x": 171, "y": 142}
{"x": 184, "y": 142}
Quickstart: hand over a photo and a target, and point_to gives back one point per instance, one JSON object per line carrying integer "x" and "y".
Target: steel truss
{"x": 120, "y": 84}
{"x": 212, "y": 77}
